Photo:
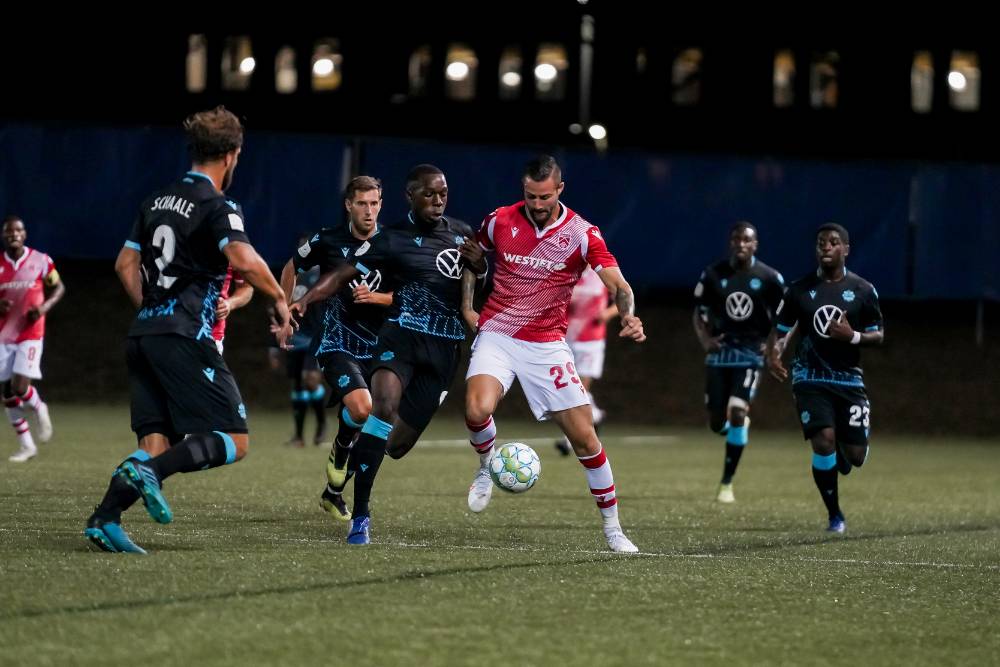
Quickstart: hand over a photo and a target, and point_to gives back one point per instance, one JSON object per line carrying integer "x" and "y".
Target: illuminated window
{"x": 461, "y": 67}
{"x": 510, "y": 73}
{"x": 685, "y": 77}
{"x": 823, "y": 84}
{"x": 286, "y": 78}
{"x": 238, "y": 63}
{"x": 197, "y": 63}
{"x": 551, "y": 67}
{"x": 784, "y": 78}
{"x": 327, "y": 62}
{"x": 963, "y": 81}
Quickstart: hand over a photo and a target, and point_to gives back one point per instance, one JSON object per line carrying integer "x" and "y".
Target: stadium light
{"x": 956, "y": 80}
{"x": 546, "y": 72}
{"x": 575, "y": 128}
{"x": 511, "y": 79}
{"x": 247, "y": 65}
{"x": 323, "y": 67}
{"x": 597, "y": 132}
{"x": 457, "y": 71}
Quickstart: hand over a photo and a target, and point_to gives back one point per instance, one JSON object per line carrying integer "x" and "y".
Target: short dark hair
{"x": 212, "y": 133}
{"x": 362, "y": 184}
{"x": 743, "y": 224}
{"x": 834, "y": 227}
{"x": 12, "y": 218}
{"x": 417, "y": 174}
{"x": 541, "y": 167}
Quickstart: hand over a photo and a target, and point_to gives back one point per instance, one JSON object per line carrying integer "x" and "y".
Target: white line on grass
{"x": 653, "y": 554}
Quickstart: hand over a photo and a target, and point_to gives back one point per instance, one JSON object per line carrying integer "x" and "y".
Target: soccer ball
{"x": 515, "y": 467}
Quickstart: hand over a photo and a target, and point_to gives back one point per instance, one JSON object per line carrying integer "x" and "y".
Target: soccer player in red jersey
{"x": 29, "y": 288}
{"x": 541, "y": 248}
{"x": 235, "y": 293}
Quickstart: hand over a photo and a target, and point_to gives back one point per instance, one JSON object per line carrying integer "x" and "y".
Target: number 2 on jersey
{"x": 164, "y": 239}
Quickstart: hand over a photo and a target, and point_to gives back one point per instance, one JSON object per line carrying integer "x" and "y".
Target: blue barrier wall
{"x": 664, "y": 216}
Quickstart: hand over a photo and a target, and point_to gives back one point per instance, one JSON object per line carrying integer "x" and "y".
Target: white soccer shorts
{"x": 546, "y": 371}
{"x": 589, "y": 357}
{"x": 24, "y": 358}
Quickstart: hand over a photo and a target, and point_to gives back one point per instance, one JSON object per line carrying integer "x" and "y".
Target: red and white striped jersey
{"x": 22, "y": 283}
{"x": 232, "y": 282}
{"x": 586, "y": 309}
{"x": 535, "y": 271}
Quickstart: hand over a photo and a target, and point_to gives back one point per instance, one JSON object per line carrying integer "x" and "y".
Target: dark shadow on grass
{"x": 416, "y": 575}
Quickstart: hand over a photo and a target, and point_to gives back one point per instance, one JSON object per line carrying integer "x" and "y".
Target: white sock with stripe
{"x": 481, "y": 437}
{"x": 602, "y": 485}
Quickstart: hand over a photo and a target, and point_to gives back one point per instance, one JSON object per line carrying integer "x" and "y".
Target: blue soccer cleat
{"x": 358, "y": 532}
{"x": 837, "y": 525}
{"x": 143, "y": 479}
{"x": 110, "y": 536}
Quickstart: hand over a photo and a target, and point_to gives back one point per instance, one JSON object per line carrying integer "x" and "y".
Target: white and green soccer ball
{"x": 515, "y": 467}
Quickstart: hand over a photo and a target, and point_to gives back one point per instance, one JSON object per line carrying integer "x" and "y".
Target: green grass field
{"x": 252, "y": 572}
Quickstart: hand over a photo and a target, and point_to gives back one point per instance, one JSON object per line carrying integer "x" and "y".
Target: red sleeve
{"x": 597, "y": 253}
{"x": 484, "y": 237}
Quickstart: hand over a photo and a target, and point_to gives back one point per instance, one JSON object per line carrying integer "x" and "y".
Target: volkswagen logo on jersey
{"x": 372, "y": 280}
{"x": 449, "y": 263}
{"x": 739, "y": 306}
{"x": 823, "y": 317}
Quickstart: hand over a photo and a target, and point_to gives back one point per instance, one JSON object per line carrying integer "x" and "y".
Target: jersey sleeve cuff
{"x": 132, "y": 245}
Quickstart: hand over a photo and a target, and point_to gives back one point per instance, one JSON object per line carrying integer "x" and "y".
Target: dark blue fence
{"x": 918, "y": 230}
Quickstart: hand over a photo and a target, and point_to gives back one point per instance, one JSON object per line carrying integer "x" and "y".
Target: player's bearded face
{"x": 227, "y": 178}
{"x": 542, "y": 199}
{"x": 364, "y": 210}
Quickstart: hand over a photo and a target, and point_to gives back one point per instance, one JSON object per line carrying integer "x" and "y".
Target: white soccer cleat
{"x": 619, "y": 543}
{"x": 480, "y": 491}
{"x": 23, "y": 454}
{"x": 726, "y": 494}
{"x": 44, "y": 422}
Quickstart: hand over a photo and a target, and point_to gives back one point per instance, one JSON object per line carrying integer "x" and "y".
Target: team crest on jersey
{"x": 755, "y": 283}
{"x": 449, "y": 263}
{"x": 848, "y": 295}
{"x": 304, "y": 250}
{"x": 823, "y": 317}
{"x": 362, "y": 249}
{"x": 513, "y": 232}
{"x": 419, "y": 240}
{"x": 562, "y": 240}
{"x": 372, "y": 280}
{"x": 739, "y": 306}
{"x": 343, "y": 381}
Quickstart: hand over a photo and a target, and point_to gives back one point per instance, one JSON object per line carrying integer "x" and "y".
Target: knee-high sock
{"x": 15, "y": 413}
{"x": 31, "y": 398}
{"x": 367, "y": 456}
{"x": 736, "y": 440}
{"x": 481, "y": 437}
{"x": 317, "y": 399}
{"x": 199, "y": 451}
{"x": 300, "y": 405}
{"x": 824, "y": 471}
{"x": 602, "y": 483}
